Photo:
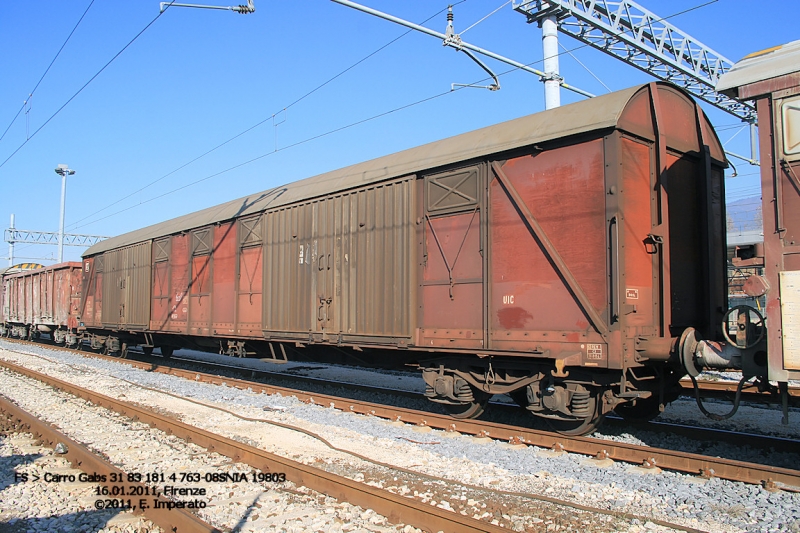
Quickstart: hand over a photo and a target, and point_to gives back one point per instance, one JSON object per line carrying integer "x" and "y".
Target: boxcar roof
{"x": 584, "y": 116}
{"x": 760, "y": 66}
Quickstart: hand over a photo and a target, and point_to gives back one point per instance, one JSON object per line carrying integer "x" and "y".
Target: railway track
{"x": 763, "y": 442}
{"x": 647, "y": 457}
{"x": 93, "y": 464}
{"x": 724, "y": 390}
{"x": 396, "y": 508}
{"x": 727, "y": 389}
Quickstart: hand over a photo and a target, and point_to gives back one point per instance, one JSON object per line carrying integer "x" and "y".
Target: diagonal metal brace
{"x": 550, "y": 251}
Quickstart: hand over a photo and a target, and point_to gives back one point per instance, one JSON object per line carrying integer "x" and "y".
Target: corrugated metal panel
{"x": 179, "y": 259}
{"x": 34, "y": 309}
{"x": 200, "y": 287}
{"x": 126, "y": 287}
{"x": 339, "y": 266}
{"x": 580, "y": 117}
{"x": 288, "y": 258}
{"x": 65, "y": 295}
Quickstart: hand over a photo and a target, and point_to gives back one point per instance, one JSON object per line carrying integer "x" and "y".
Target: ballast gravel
{"x": 237, "y": 502}
{"x": 442, "y": 494}
{"x": 715, "y": 505}
{"x": 66, "y": 507}
{"x": 756, "y": 419}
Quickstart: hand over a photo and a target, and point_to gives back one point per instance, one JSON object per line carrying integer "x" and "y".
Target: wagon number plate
{"x": 594, "y": 351}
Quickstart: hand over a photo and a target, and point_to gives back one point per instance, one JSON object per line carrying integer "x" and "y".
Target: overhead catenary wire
{"x": 335, "y": 130}
{"x": 585, "y": 67}
{"x": 30, "y": 95}
{"x": 272, "y": 152}
{"x": 581, "y": 46}
{"x": 462, "y": 32}
{"x": 309, "y": 139}
{"x": 79, "y": 91}
{"x": 741, "y": 129}
{"x": 727, "y": 127}
{"x": 262, "y": 156}
{"x": 74, "y": 224}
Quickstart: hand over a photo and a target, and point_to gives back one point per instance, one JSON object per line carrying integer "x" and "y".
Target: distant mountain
{"x": 745, "y": 214}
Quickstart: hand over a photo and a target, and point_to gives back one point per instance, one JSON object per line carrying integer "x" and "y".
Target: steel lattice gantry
{"x": 45, "y": 237}
{"x": 631, "y": 33}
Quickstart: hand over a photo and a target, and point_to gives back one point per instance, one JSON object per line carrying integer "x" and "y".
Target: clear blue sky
{"x": 195, "y": 78}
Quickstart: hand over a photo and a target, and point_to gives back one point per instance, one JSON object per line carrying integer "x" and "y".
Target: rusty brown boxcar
{"x": 43, "y": 300}
{"x": 560, "y": 258}
{"x": 772, "y": 79}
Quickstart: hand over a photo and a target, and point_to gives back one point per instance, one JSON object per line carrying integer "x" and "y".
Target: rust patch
{"x": 513, "y": 317}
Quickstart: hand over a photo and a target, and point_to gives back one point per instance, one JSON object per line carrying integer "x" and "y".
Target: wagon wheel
{"x": 166, "y": 351}
{"x": 579, "y": 426}
{"x": 148, "y": 350}
{"x": 472, "y": 409}
{"x": 645, "y": 409}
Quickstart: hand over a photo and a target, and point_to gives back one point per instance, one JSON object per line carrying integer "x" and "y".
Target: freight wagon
{"x": 43, "y": 300}
{"x": 771, "y": 78}
{"x": 574, "y": 259}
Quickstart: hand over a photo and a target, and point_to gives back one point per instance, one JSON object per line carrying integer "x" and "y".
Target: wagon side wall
{"x": 126, "y": 287}
{"x": 46, "y": 296}
{"x": 342, "y": 267}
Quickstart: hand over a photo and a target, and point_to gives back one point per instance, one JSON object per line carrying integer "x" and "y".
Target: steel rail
{"x": 764, "y": 442}
{"x": 174, "y": 520}
{"x": 690, "y": 463}
{"x": 713, "y": 389}
{"x": 668, "y": 459}
{"x": 724, "y": 389}
{"x": 395, "y": 508}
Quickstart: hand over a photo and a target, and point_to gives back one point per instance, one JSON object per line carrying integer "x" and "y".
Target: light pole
{"x": 63, "y": 171}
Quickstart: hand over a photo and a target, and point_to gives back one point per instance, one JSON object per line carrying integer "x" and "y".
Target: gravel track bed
{"x": 715, "y": 505}
{"x": 245, "y": 506}
{"x": 752, "y": 417}
{"x": 65, "y": 507}
{"x": 517, "y": 512}
{"x": 756, "y": 419}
